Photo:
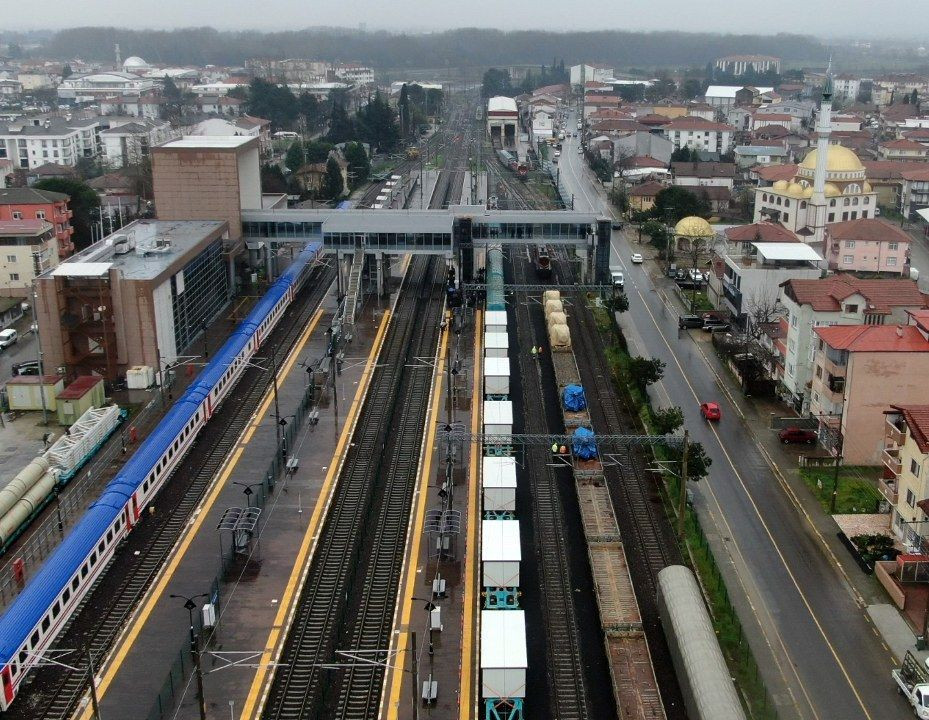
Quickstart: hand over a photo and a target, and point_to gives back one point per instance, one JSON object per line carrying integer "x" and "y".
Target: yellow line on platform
{"x": 466, "y": 699}
{"x": 412, "y": 562}
{"x": 301, "y": 563}
{"x": 154, "y": 596}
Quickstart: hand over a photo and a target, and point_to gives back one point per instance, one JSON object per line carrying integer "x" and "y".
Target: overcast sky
{"x": 824, "y": 18}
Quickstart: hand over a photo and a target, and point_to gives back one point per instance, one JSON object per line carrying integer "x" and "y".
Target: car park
{"x": 637, "y": 258}
{"x": 795, "y": 435}
{"x": 711, "y": 411}
{"x": 8, "y": 337}
{"x": 690, "y": 321}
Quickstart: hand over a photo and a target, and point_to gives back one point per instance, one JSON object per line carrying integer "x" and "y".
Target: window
{"x": 849, "y": 244}
{"x": 910, "y": 498}
{"x": 819, "y": 371}
{"x": 17, "y": 215}
{"x": 14, "y": 277}
{"x": 46, "y": 622}
{"x": 34, "y": 640}
{"x": 914, "y": 467}
{"x": 831, "y": 217}
{"x": 891, "y": 261}
{"x": 794, "y": 318}
{"x": 39, "y": 214}
{"x": 845, "y": 216}
{"x": 892, "y": 246}
{"x": 848, "y": 259}
{"x": 786, "y": 216}
{"x": 11, "y": 258}
{"x": 851, "y": 309}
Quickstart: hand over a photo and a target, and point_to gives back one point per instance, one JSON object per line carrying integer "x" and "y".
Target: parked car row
{"x": 707, "y": 322}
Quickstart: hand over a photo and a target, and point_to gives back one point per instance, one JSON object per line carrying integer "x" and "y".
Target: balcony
{"x": 836, "y": 384}
{"x": 894, "y": 434}
{"x": 888, "y": 488}
{"x": 891, "y": 459}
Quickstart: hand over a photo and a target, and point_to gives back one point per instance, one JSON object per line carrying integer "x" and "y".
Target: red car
{"x": 797, "y": 435}
{"x": 710, "y": 411}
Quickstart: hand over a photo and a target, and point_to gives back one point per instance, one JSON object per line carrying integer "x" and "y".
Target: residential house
{"x": 788, "y": 122}
{"x": 47, "y": 171}
{"x": 717, "y": 197}
{"x": 747, "y": 156}
{"x": 148, "y": 105}
{"x": 837, "y": 300}
{"x": 915, "y": 193}
{"x": 905, "y": 481}
{"x": 311, "y": 176}
{"x": 30, "y": 142}
{"x": 642, "y": 197}
{"x": 698, "y": 134}
{"x": 779, "y": 135}
{"x": 691, "y": 174}
{"x": 27, "y": 249}
{"x": 128, "y": 144}
{"x": 753, "y": 270}
{"x": 31, "y": 204}
{"x": 870, "y": 245}
{"x": 639, "y": 144}
{"x": 10, "y": 88}
{"x": 702, "y": 111}
{"x": 218, "y": 104}
{"x": 584, "y": 73}
{"x": 94, "y": 86}
{"x": 846, "y": 396}
{"x": 767, "y": 176}
{"x": 920, "y": 135}
{"x": 886, "y": 178}
{"x": 724, "y": 96}
{"x": 903, "y": 149}
{"x": 740, "y": 118}
{"x": 846, "y": 87}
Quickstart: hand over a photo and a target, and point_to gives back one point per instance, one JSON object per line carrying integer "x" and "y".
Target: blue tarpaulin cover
{"x": 583, "y": 445}
{"x": 574, "y": 398}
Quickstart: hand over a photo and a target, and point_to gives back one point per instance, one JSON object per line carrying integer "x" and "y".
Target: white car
{"x": 8, "y": 337}
{"x": 637, "y": 258}
{"x": 618, "y": 279}
{"x": 558, "y": 153}
{"x": 580, "y": 150}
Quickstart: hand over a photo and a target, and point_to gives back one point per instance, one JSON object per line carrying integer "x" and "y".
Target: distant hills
{"x": 467, "y": 47}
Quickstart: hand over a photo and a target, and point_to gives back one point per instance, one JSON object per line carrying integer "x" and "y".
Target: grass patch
{"x": 857, "y": 488}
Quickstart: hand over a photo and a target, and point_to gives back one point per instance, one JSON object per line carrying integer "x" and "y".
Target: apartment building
{"x": 32, "y": 204}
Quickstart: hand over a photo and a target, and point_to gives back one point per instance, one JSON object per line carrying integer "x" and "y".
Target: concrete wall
{"x": 874, "y": 381}
{"x": 250, "y": 179}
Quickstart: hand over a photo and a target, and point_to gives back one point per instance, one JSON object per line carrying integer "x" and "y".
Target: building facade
{"x": 742, "y": 64}
{"x": 131, "y": 143}
{"x": 27, "y": 249}
{"x": 698, "y": 134}
{"x": 32, "y": 142}
{"x": 870, "y": 245}
{"x": 32, "y": 204}
{"x": 905, "y": 481}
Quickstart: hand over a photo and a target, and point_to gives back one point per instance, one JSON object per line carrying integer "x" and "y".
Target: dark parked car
{"x": 30, "y": 367}
{"x": 690, "y": 321}
{"x": 713, "y": 324}
{"x": 791, "y": 435}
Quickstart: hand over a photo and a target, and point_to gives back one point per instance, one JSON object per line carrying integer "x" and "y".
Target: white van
{"x": 8, "y": 337}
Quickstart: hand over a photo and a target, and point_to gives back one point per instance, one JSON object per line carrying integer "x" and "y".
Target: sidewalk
{"x": 756, "y": 414}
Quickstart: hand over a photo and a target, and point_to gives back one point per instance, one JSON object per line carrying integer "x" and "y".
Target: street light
{"x": 190, "y": 606}
{"x": 248, "y": 492}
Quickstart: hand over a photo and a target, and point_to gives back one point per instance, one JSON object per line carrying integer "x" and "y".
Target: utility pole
{"x": 415, "y": 676}
{"x": 281, "y": 448}
{"x": 38, "y": 350}
{"x": 190, "y": 606}
{"x": 838, "y": 459}
{"x": 682, "y": 499}
{"x": 92, "y": 681}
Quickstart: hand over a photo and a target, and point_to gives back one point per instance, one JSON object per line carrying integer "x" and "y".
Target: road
{"x": 23, "y": 350}
{"x": 820, "y": 656}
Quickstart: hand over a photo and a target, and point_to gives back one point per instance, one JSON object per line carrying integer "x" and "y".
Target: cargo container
{"x": 503, "y": 654}
{"x": 500, "y": 553}
{"x": 499, "y": 483}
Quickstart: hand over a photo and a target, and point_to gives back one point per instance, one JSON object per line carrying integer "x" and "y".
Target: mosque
{"x": 830, "y": 186}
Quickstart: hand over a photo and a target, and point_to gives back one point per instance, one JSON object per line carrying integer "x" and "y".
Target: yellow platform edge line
{"x": 412, "y": 559}
{"x": 469, "y": 627}
{"x": 154, "y": 595}
{"x": 252, "y": 707}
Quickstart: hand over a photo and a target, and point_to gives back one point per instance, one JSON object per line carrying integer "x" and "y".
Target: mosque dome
{"x": 779, "y": 185}
{"x": 838, "y": 159}
{"x": 867, "y": 187}
{"x": 808, "y": 191}
{"x": 832, "y": 190}
{"x": 135, "y": 63}
{"x": 795, "y": 188}
{"x": 693, "y": 226}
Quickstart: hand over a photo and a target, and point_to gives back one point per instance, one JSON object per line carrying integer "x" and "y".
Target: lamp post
{"x": 190, "y": 606}
{"x": 248, "y": 492}
{"x": 38, "y": 355}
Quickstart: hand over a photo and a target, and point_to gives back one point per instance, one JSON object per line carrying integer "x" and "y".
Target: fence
{"x": 70, "y": 505}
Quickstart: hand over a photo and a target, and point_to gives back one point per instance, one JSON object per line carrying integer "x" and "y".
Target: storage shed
{"x": 85, "y": 392}
{"x": 496, "y": 344}
{"x": 24, "y": 392}
{"x": 494, "y": 321}
{"x": 496, "y": 376}
{"x": 499, "y": 483}
{"x": 503, "y": 654}
{"x": 500, "y": 553}
{"x": 498, "y": 417}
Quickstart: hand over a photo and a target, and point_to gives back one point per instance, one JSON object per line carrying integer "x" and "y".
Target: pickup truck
{"x": 913, "y": 683}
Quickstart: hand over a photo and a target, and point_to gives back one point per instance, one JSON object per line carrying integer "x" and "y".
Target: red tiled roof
{"x": 79, "y": 387}
{"x": 761, "y": 232}
{"x": 773, "y": 173}
{"x": 886, "y": 169}
{"x": 695, "y": 123}
{"x": 618, "y": 124}
{"x": 903, "y": 144}
{"x": 917, "y": 420}
{"x": 881, "y": 294}
{"x": 874, "y": 338}
{"x": 643, "y": 161}
{"x": 703, "y": 169}
{"x": 867, "y": 230}
{"x": 775, "y": 116}
{"x": 917, "y": 133}
{"x": 772, "y": 131}
{"x": 653, "y": 119}
{"x": 920, "y": 174}
{"x": 648, "y": 189}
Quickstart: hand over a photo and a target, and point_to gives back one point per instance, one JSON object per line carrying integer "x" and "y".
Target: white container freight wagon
{"x": 499, "y": 483}
{"x": 500, "y": 554}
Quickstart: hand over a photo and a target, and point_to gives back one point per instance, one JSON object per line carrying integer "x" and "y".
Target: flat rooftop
{"x": 158, "y": 245}
{"x": 209, "y": 142}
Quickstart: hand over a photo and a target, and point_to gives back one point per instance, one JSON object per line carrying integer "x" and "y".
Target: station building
{"x": 136, "y": 298}
{"x": 502, "y": 121}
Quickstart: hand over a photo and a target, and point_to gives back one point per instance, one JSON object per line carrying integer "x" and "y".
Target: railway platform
{"x": 146, "y": 677}
{"x": 447, "y": 656}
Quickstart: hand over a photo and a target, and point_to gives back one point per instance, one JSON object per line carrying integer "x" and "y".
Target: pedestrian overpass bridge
{"x": 456, "y": 233}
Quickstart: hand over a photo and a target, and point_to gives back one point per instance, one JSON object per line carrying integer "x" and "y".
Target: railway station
{"x": 400, "y": 488}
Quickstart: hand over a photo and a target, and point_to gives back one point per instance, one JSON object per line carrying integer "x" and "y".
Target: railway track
{"x": 350, "y": 593}
{"x": 564, "y": 657}
{"x": 53, "y": 691}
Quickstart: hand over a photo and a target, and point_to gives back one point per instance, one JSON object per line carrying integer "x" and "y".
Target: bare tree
{"x": 760, "y": 310}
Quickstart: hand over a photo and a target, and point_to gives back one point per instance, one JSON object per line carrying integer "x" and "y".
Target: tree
{"x": 645, "y": 371}
{"x": 691, "y": 89}
{"x": 341, "y": 127}
{"x": 378, "y": 124}
{"x": 176, "y": 102}
{"x": 496, "y": 82}
{"x": 914, "y": 97}
{"x": 333, "y": 183}
{"x": 676, "y": 202}
{"x": 698, "y": 462}
{"x": 657, "y": 232}
{"x": 617, "y": 303}
{"x": 684, "y": 154}
{"x": 272, "y": 179}
{"x": 359, "y": 167}
{"x": 403, "y": 107}
{"x": 294, "y": 159}
{"x": 66, "y": 72}
{"x": 83, "y": 201}
{"x": 666, "y": 420}
{"x": 308, "y": 108}
{"x": 274, "y": 102}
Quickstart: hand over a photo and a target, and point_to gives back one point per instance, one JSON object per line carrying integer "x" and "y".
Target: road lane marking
{"x": 764, "y": 525}
{"x": 308, "y": 545}
{"x": 415, "y": 528}
{"x": 134, "y": 627}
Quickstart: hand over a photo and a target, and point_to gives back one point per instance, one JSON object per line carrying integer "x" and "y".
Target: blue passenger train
{"x": 41, "y": 610}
